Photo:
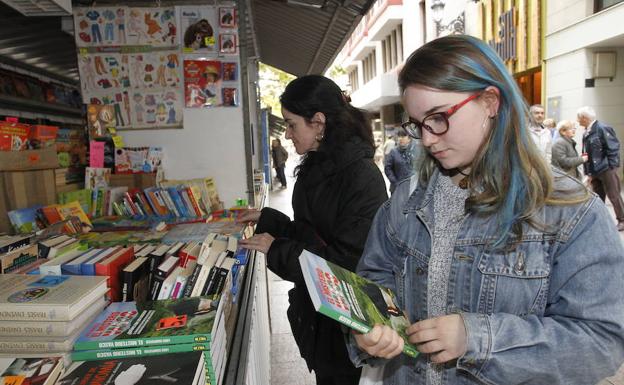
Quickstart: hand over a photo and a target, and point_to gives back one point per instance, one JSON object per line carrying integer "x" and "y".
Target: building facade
{"x": 392, "y": 29}
{"x": 584, "y": 60}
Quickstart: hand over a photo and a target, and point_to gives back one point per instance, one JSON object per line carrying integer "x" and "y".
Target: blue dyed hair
{"x": 513, "y": 179}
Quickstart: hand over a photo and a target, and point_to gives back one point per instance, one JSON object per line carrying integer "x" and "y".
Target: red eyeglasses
{"x": 436, "y": 123}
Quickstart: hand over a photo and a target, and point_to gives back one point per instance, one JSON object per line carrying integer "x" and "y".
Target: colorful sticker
{"x": 156, "y": 108}
{"x": 160, "y": 69}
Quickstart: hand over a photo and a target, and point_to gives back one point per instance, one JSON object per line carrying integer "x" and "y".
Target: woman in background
{"x": 564, "y": 155}
{"x": 338, "y": 190}
{"x": 510, "y": 273}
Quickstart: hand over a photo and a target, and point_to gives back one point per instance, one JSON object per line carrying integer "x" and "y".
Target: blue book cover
{"x": 177, "y": 200}
{"x": 24, "y": 220}
{"x": 74, "y": 267}
{"x": 88, "y": 267}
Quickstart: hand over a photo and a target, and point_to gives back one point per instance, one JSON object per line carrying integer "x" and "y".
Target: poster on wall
{"x": 199, "y": 28}
{"x": 202, "y": 83}
{"x": 155, "y": 108}
{"x": 157, "y": 69}
{"x": 102, "y": 72}
{"x": 100, "y": 26}
{"x": 156, "y": 27}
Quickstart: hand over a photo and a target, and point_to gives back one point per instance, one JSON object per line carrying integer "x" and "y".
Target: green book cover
{"x": 107, "y": 354}
{"x": 154, "y": 323}
{"x": 352, "y": 300}
{"x": 82, "y": 196}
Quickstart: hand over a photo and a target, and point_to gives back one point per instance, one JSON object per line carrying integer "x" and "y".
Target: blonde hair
{"x": 564, "y": 125}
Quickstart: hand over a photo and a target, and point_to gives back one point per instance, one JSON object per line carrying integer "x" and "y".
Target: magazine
{"x": 352, "y": 300}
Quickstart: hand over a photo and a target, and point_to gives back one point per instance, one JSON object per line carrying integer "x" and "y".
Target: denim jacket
{"x": 551, "y": 311}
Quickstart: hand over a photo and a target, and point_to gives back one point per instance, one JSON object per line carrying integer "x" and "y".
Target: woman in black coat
{"x": 337, "y": 193}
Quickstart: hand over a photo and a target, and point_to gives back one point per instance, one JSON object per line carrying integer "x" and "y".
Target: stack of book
{"x": 45, "y": 314}
{"x": 130, "y": 329}
{"x": 188, "y": 369}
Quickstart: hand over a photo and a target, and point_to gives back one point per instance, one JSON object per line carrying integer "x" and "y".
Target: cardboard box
{"x": 20, "y": 189}
{"x": 141, "y": 181}
{"x": 28, "y": 160}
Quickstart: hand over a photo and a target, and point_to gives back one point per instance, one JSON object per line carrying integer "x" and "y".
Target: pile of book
{"x": 45, "y": 314}
{"x": 131, "y": 329}
{"x": 35, "y": 218}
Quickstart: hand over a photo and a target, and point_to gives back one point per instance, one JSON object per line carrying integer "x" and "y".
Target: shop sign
{"x": 506, "y": 46}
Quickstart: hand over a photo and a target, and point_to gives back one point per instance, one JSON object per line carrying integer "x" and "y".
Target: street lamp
{"x": 455, "y": 26}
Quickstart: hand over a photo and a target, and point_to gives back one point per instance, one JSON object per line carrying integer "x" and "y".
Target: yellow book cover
{"x": 74, "y": 208}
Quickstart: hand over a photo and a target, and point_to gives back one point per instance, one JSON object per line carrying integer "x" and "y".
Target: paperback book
{"x": 352, "y": 300}
{"x": 155, "y": 323}
{"x": 48, "y": 297}
{"x": 187, "y": 368}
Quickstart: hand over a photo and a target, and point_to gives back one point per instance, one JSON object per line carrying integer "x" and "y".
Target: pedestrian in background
{"x": 564, "y": 154}
{"x": 540, "y": 134}
{"x": 400, "y": 162}
{"x": 280, "y": 155}
{"x": 389, "y": 145}
{"x": 551, "y": 125}
{"x": 602, "y": 148}
{"x": 337, "y": 193}
{"x": 509, "y": 270}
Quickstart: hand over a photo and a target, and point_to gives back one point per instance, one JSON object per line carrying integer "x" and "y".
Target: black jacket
{"x": 602, "y": 148}
{"x": 334, "y": 202}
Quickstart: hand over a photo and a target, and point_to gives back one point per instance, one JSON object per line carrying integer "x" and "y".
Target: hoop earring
{"x": 319, "y": 137}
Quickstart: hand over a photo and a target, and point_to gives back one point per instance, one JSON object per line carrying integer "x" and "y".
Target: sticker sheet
{"x": 102, "y": 72}
{"x": 199, "y": 29}
{"x": 100, "y": 26}
{"x": 156, "y": 27}
{"x": 156, "y": 108}
{"x": 119, "y": 114}
{"x": 157, "y": 69}
{"x": 202, "y": 83}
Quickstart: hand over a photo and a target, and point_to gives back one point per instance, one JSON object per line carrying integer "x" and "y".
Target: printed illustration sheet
{"x": 157, "y": 69}
{"x": 102, "y": 72}
{"x": 199, "y": 29}
{"x": 156, "y": 27}
{"x": 100, "y": 26}
{"x": 156, "y": 108}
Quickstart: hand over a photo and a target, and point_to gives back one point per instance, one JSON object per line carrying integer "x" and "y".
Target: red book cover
{"x": 112, "y": 267}
{"x": 194, "y": 202}
{"x": 13, "y": 136}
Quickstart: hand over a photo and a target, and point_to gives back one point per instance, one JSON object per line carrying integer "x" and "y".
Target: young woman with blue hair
{"x": 510, "y": 272}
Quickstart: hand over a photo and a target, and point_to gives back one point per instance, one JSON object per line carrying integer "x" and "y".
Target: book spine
{"x": 169, "y": 201}
{"x": 147, "y": 342}
{"x": 43, "y": 313}
{"x": 220, "y": 281}
{"x": 188, "y": 289}
{"x": 187, "y": 203}
{"x": 210, "y": 281}
{"x": 34, "y": 329}
{"x": 157, "y": 284}
{"x": 33, "y": 347}
{"x": 194, "y": 202}
{"x": 89, "y": 355}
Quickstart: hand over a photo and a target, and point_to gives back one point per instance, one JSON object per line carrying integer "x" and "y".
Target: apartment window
{"x": 392, "y": 49}
{"x": 368, "y": 67}
{"x": 599, "y": 5}
{"x": 353, "y": 80}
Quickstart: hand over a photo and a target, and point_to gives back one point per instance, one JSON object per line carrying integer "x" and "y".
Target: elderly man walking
{"x": 603, "y": 151}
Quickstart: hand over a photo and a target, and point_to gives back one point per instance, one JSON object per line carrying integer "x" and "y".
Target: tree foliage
{"x": 272, "y": 83}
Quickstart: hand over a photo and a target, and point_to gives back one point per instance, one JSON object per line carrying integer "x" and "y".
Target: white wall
{"x": 211, "y": 144}
{"x": 566, "y": 76}
{"x": 562, "y": 13}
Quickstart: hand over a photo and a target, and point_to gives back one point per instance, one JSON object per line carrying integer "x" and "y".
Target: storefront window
{"x": 602, "y": 4}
